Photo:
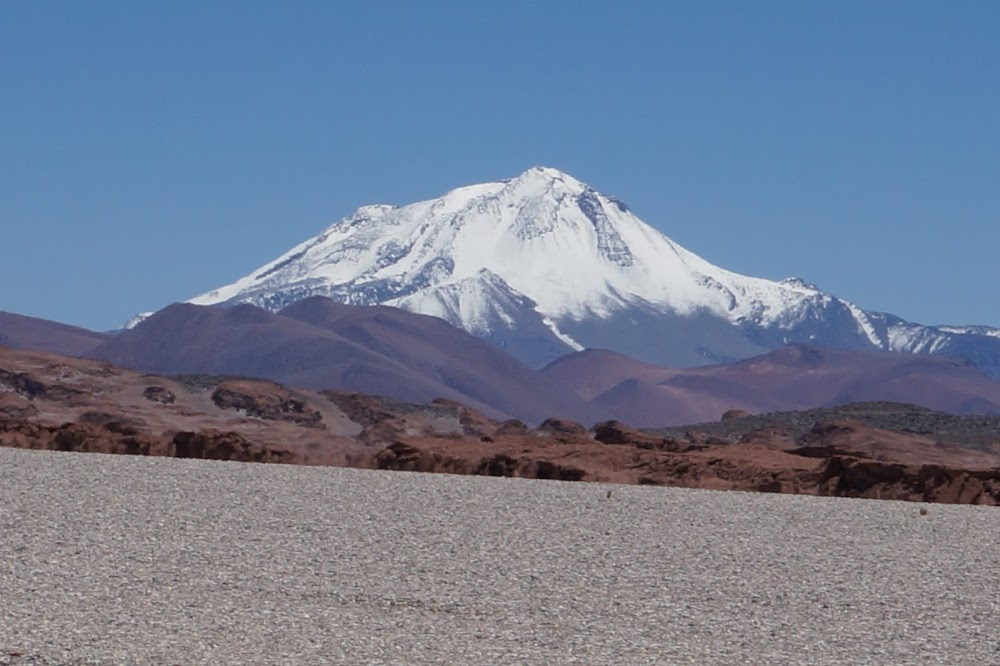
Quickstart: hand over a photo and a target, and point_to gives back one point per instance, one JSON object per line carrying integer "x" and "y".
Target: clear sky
{"x": 151, "y": 151}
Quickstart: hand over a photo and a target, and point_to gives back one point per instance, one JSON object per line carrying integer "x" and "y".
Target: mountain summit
{"x": 542, "y": 264}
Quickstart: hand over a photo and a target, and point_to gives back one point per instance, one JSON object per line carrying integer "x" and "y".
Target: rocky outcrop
{"x": 215, "y": 445}
{"x": 511, "y": 427}
{"x": 266, "y": 401}
{"x": 505, "y": 465}
{"x": 473, "y": 423}
{"x": 119, "y": 438}
{"x": 401, "y": 456}
{"x": 844, "y": 476}
{"x": 83, "y": 438}
{"x": 31, "y": 387}
{"x": 384, "y": 420}
{"x": 618, "y": 433}
{"x": 365, "y": 410}
{"x": 21, "y": 383}
{"x": 13, "y": 406}
{"x": 159, "y": 394}
{"x": 564, "y": 427}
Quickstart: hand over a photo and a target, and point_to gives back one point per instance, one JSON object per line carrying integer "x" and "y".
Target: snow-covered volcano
{"x": 542, "y": 264}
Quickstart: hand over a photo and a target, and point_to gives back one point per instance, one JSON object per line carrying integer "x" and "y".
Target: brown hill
{"x": 22, "y": 332}
{"x": 793, "y": 378}
{"x": 320, "y": 344}
{"x": 484, "y": 375}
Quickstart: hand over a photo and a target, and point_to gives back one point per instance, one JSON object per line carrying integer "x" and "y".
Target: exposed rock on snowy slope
{"x": 542, "y": 265}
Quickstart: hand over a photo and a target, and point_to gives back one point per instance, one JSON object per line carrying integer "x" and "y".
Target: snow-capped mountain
{"x": 542, "y": 265}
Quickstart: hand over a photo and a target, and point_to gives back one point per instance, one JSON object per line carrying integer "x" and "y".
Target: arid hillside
{"x": 875, "y": 450}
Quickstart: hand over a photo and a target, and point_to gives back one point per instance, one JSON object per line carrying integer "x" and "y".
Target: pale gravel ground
{"x": 123, "y": 560}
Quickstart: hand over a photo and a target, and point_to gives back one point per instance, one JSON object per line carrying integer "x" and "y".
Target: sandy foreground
{"x": 140, "y": 560}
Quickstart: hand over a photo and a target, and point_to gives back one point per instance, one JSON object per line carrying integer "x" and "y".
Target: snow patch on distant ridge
{"x": 576, "y": 346}
{"x": 136, "y": 320}
{"x": 971, "y": 330}
{"x": 864, "y": 324}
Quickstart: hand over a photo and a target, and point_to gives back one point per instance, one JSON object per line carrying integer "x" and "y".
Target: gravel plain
{"x": 131, "y": 560}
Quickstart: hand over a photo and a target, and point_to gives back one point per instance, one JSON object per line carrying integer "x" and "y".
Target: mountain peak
{"x": 545, "y": 179}
{"x": 549, "y": 239}
{"x": 545, "y": 260}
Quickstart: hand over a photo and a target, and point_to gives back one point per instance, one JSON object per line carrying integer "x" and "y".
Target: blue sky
{"x": 152, "y": 151}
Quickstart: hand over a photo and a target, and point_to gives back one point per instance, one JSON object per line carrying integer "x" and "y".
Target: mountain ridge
{"x": 319, "y": 344}
{"x": 795, "y": 377}
{"x": 23, "y": 332}
{"x": 543, "y": 264}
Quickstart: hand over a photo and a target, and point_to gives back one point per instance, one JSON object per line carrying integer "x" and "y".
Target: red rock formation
{"x": 844, "y": 476}
{"x": 115, "y": 438}
{"x": 215, "y": 445}
{"x": 82, "y": 437}
{"x": 622, "y": 455}
{"x": 563, "y": 427}
{"x": 267, "y": 401}
{"x": 406, "y": 457}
